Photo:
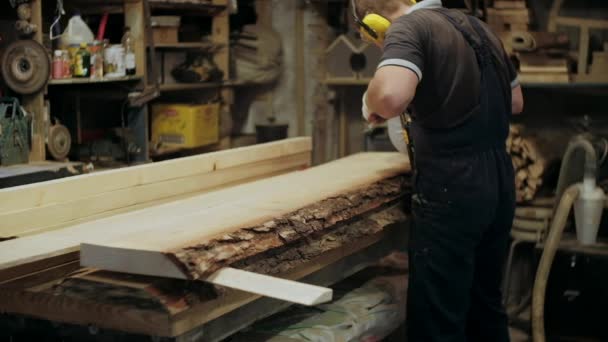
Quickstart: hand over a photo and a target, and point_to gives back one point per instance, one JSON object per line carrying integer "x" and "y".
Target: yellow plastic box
{"x": 185, "y": 125}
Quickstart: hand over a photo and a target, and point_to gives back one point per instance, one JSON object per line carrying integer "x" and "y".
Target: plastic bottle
{"x": 96, "y": 59}
{"x": 82, "y": 62}
{"x": 127, "y": 43}
{"x": 58, "y": 64}
{"x": 76, "y": 32}
{"x": 67, "y": 64}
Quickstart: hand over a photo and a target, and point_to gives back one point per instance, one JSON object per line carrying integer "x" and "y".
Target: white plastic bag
{"x": 76, "y": 32}
{"x": 395, "y": 133}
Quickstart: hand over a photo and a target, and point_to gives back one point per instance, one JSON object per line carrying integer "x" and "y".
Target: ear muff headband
{"x": 373, "y": 26}
{"x": 363, "y": 27}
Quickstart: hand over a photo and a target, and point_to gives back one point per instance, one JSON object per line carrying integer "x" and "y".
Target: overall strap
{"x": 481, "y": 47}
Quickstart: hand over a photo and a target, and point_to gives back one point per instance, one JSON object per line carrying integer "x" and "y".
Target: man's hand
{"x": 372, "y": 118}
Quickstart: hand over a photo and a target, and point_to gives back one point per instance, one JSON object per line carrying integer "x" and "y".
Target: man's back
{"x": 449, "y": 89}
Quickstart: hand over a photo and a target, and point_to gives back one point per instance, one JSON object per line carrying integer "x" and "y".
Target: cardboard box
{"x": 165, "y": 35}
{"x": 165, "y": 29}
{"x": 185, "y": 125}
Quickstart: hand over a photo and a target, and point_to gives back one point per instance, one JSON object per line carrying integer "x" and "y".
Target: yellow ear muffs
{"x": 378, "y": 25}
{"x": 373, "y": 27}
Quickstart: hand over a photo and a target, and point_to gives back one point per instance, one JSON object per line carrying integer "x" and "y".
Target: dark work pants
{"x": 458, "y": 245}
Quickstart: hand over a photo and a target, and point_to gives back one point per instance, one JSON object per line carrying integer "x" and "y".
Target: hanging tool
{"x": 15, "y": 132}
{"x": 55, "y": 29}
{"x": 25, "y": 66}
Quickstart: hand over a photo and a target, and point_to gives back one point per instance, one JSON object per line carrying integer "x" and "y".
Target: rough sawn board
{"x": 252, "y": 219}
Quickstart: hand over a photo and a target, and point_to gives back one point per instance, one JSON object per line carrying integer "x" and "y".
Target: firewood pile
{"x": 532, "y": 156}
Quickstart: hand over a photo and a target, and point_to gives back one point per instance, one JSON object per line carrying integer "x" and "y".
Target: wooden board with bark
{"x": 249, "y": 220}
{"x": 169, "y": 307}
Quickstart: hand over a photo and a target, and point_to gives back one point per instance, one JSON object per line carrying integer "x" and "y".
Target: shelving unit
{"x": 69, "y": 81}
{"x": 133, "y": 12}
{"x": 184, "y": 46}
{"x": 134, "y": 17}
{"x": 194, "y": 86}
{"x": 199, "y": 7}
{"x": 219, "y": 37}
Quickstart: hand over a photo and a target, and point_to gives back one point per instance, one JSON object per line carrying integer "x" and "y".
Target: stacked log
{"x": 532, "y": 156}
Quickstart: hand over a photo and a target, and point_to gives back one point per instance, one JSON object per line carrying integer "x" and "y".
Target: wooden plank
{"x": 34, "y": 220}
{"x": 33, "y": 267}
{"x": 250, "y": 178}
{"x": 272, "y": 287}
{"x": 36, "y": 195}
{"x": 533, "y": 63}
{"x": 582, "y": 22}
{"x": 544, "y": 78}
{"x": 40, "y": 247}
{"x": 253, "y": 218}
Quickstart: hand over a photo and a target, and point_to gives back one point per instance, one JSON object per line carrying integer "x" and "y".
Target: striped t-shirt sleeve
{"x": 403, "y": 47}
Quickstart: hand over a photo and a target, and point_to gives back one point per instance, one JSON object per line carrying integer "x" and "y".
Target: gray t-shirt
{"x": 425, "y": 42}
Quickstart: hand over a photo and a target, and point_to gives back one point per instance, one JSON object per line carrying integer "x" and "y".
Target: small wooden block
{"x": 288, "y": 290}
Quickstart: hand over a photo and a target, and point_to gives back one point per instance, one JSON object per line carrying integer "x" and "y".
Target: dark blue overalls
{"x": 463, "y": 207}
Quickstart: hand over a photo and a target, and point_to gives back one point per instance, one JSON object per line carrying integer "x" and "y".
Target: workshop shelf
{"x": 68, "y": 81}
{"x": 193, "y": 7}
{"x": 202, "y": 85}
{"x": 185, "y": 46}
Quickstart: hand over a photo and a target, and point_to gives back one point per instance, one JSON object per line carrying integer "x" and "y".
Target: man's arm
{"x": 517, "y": 97}
{"x": 400, "y": 70}
{"x": 391, "y": 91}
{"x": 517, "y": 100}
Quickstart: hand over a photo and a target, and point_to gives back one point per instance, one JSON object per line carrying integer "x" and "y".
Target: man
{"x": 454, "y": 77}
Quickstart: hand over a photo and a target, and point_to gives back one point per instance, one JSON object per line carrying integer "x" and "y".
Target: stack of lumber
{"x": 532, "y": 155}
{"x": 193, "y": 237}
{"x": 287, "y": 225}
{"x": 535, "y": 68}
{"x": 36, "y": 208}
{"x": 534, "y": 41}
{"x": 508, "y": 16}
{"x": 199, "y": 237}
